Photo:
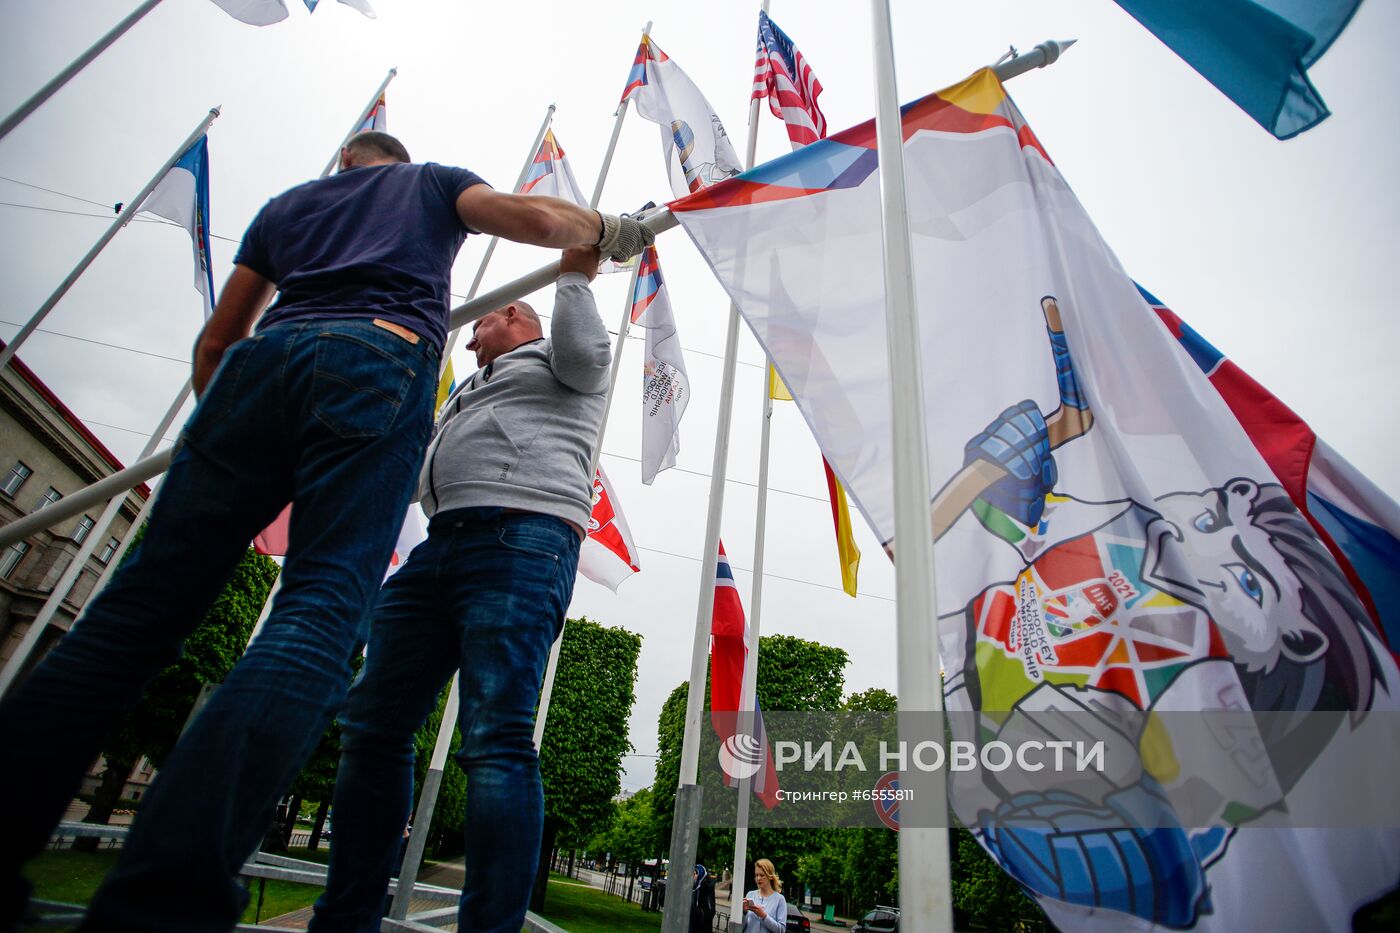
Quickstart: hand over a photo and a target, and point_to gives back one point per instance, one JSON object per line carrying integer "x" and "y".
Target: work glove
{"x": 622, "y": 237}
{"x": 1018, "y": 442}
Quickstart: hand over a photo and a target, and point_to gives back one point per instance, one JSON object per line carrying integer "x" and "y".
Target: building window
{"x": 13, "y": 555}
{"x": 18, "y": 474}
{"x": 83, "y": 530}
{"x": 108, "y": 550}
{"x": 49, "y": 498}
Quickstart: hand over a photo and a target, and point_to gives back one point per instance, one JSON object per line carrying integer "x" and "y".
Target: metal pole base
{"x": 685, "y": 839}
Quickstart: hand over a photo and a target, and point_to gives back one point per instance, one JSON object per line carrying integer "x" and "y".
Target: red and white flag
{"x": 413, "y": 533}
{"x": 783, "y": 76}
{"x": 608, "y": 555}
{"x": 275, "y": 539}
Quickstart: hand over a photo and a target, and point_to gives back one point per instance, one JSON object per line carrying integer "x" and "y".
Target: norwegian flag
{"x": 608, "y": 555}
{"x": 728, "y": 647}
{"x": 782, "y": 75}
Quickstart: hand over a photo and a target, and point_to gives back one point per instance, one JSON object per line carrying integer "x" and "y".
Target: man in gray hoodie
{"x": 506, "y": 487}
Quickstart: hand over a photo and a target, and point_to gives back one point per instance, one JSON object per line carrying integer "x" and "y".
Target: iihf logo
{"x": 741, "y": 756}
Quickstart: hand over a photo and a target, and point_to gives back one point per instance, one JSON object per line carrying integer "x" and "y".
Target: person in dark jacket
{"x": 702, "y": 902}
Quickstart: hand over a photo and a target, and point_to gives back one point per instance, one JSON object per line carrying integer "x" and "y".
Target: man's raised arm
{"x": 580, "y": 354}
{"x": 545, "y": 221}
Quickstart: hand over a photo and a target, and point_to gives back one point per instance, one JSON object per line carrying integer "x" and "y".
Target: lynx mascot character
{"x": 1214, "y": 598}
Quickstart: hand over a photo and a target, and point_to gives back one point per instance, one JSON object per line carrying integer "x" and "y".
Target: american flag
{"x": 783, "y": 76}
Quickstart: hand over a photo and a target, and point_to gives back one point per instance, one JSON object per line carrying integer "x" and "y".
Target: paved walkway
{"x": 445, "y": 874}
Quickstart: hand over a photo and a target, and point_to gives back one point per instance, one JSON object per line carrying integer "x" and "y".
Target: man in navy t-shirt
{"x": 327, "y": 406}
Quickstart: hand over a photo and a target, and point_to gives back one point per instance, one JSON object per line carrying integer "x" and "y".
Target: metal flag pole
{"x": 491, "y": 244}
{"x": 132, "y": 208}
{"x": 552, "y": 667}
{"x": 685, "y": 826}
{"x": 79, "y": 63}
{"x": 925, "y": 895}
{"x": 359, "y": 121}
{"x": 427, "y": 802}
{"x": 75, "y": 567}
{"x": 748, "y": 697}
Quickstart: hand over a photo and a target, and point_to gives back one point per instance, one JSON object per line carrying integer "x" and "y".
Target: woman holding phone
{"x": 765, "y": 909}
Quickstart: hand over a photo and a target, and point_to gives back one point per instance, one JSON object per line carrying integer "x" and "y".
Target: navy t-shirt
{"x": 377, "y": 241}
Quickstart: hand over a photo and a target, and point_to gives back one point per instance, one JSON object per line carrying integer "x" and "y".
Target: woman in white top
{"x": 765, "y": 910}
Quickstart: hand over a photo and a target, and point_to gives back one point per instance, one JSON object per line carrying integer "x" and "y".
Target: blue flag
{"x": 183, "y": 197}
{"x": 1256, "y": 52}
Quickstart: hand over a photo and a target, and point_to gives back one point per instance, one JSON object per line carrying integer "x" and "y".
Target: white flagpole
{"x": 552, "y": 668}
{"x": 621, "y": 114}
{"x": 925, "y": 895}
{"x": 79, "y": 63}
{"x": 748, "y": 696}
{"x": 491, "y": 244}
{"x": 749, "y": 683}
{"x": 359, "y": 121}
{"x": 685, "y": 825}
{"x": 75, "y": 567}
{"x": 427, "y": 802}
{"x": 132, "y": 208}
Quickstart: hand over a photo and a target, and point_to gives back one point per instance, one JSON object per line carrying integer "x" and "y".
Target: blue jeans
{"x": 331, "y": 415}
{"x": 485, "y": 594}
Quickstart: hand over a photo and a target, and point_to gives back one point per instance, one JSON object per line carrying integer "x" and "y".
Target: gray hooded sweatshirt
{"x": 519, "y": 433}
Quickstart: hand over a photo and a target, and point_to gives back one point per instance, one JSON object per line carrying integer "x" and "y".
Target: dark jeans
{"x": 486, "y": 594}
{"x": 332, "y": 415}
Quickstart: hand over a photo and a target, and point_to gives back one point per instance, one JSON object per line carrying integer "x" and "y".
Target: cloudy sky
{"x": 1279, "y": 253}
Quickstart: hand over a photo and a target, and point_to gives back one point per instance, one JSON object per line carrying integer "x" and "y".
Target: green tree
{"x": 210, "y": 651}
{"x": 794, "y": 675}
{"x": 633, "y": 834}
{"x": 985, "y": 895}
{"x": 585, "y": 736}
{"x": 855, "y": 868}
{"x": 874, "y": 700}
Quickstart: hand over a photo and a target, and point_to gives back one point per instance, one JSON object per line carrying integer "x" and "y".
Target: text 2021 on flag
{"x": 1113, "y": 545}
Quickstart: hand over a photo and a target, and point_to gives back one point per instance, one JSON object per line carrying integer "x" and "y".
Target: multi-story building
{"x": 46, "y": 453}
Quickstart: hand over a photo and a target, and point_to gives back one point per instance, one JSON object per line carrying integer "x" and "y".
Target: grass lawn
{"x": 72, "y": 877}
{"x": 583, "y": 909}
